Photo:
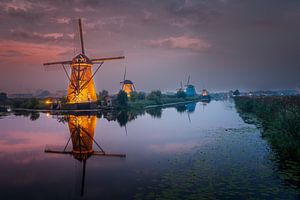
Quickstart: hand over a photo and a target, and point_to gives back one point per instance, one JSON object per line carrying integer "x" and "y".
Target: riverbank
{"x": 34, "y": 105}
{"x": 279, "y": 118}
{"x": 164, "y": 102}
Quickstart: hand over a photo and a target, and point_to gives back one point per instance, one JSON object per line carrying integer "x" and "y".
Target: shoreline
{"x": 106, "y": 108}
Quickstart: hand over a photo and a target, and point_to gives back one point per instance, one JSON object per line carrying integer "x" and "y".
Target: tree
{"x": 3, "y": 97}
{"x": 155, "y": 96}
{"x": 102, "y": 94}
{"x": 180, "y": 94}
{"x": 122, "y": 98}
{"x": 141, "y": 96}
{"x": 236, "y": 93}
{"x": 33, "y": 103}
{"x": 133, "y": 96}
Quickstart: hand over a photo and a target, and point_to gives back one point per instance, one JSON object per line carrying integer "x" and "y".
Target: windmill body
{"x": 127, "y": 85}
{"x": 190, "y": 89}
{"x": 81, "y": 84}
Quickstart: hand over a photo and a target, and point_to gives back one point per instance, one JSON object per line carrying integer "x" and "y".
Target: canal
{"x": 193, "y": 151}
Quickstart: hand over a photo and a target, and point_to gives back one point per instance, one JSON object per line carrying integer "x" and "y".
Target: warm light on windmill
{"x": 81, "y": 83}
{"x": 127, "y": 85}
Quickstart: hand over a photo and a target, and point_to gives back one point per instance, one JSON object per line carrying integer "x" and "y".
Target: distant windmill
{"x": 127, "y": 85}
{"x": 181, "y": 87}
{"x": 81, "y": 84}
{"x": 190, "y": 89}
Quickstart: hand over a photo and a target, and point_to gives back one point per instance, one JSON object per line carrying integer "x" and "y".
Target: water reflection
{"x": 217, "y": 156}
{"x": 155, "y": 112}
{"x": 191, "y": 107}
{"x": 32, "y": 115}
{"x": 82, "y": 132}
{"x": 122, "y": 116}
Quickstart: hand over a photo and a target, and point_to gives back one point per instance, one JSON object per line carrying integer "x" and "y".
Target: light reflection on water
{"x": 191, "y": 151}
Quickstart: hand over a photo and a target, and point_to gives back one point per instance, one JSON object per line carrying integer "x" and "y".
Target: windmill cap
{"x": 128, "y": 82}
{"x": 81, "y": 58}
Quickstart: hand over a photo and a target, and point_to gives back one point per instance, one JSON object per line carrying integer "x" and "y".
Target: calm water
{"x": 190, "y": 152}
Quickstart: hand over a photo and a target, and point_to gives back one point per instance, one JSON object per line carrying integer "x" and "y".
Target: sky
{"x": 221, "y": 44}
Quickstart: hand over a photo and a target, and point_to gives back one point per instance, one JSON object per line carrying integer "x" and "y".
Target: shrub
{"x": 122, "y": 98}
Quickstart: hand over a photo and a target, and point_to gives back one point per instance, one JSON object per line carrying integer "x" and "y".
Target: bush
{"x": 180, "y": 94}
{"x": 102, "y": 94}
{"x": 122, "y": 98}
{"x": 3, "y": 97}
{"x": 155, "y": 96}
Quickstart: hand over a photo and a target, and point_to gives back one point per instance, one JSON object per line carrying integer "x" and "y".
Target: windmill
{"x": 190, "y": 89}
{"x": 181, "y": 87}
{"x": 81, "y": 84}
{"x": 82, "y": 130}
{"x": 127, "y": 85}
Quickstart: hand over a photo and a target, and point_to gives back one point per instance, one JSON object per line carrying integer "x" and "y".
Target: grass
{"x": 279, "y": 118}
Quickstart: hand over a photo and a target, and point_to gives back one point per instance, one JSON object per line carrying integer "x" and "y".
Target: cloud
{"x": 113, "y": 21}
{"x": 39, "y": 37}
{"x": 63, "y": 20}
{"x": 84, "y": 9}
{"x": 25, "y": 6}
{"x": 182, "y": 42}
{"x": 29, "y": 53}
{"x": 16, "y": 5}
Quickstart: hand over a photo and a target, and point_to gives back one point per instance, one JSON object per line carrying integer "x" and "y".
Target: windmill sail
{"x": 188, "y": 81}
{"x": 81, "y": 86}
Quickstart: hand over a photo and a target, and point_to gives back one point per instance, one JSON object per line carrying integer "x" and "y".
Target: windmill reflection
{"x": 82, "y": 130}
{"x": 189, "y": 108}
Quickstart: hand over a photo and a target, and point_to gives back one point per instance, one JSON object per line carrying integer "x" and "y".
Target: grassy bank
{"x": 279, "y": 118}
{"x": 141, "y": 104}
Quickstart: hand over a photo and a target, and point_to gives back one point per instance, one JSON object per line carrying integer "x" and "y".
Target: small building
{"x": 108, "y": 101}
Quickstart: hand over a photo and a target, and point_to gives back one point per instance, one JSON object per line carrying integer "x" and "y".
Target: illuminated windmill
{"x": 127, "y": 85}
{"x": 181, "y": 88}
{"x": 190, "y": 89}
{"x": 82, "y": 130}
{"x": 81, "y": 84}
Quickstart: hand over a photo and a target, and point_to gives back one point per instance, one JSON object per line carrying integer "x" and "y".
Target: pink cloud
{"x": 17, "y": 5}
{"x": 30, "y": 53}
{"x": 25, "y": 6}
{"x": 49, "y": 35}
{"x": 182, "y": 42}
{"x": 63, "y": 20}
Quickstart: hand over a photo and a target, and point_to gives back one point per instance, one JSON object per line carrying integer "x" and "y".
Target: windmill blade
{"x": 125, "y": 129}
{"x": 100, "y": 60}
{"x": 56, "y": 66}
{"x": 81, "y": 36}
{"x": 134, "y": 87}
{"x": 124, "y": 75}
{"x": 58, "y": 63}
{"x": 188, "y": 82}
{"x": 189, "y": 117}
{"x": 76, "y": 37}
